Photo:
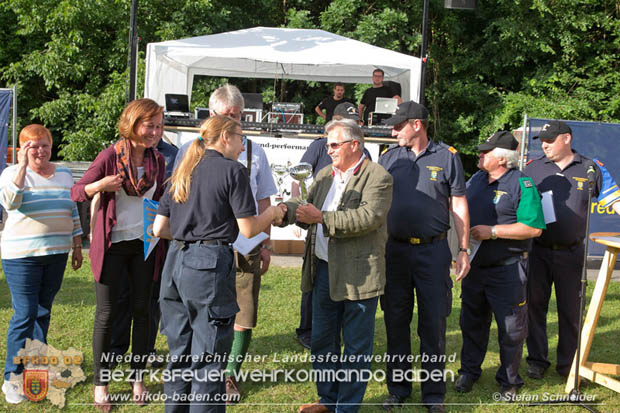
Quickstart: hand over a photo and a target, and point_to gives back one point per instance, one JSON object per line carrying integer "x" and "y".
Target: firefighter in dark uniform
{"x": 198, "y": 298}
{"x": 557, "y": 255}
{"x": 507, "y": 214}
{"x": 429, "y": 184}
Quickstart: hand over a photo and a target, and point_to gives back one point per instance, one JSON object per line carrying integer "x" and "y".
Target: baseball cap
{"x": 407, "y": 110}
{"x": 552, "y": 129}
{"x": 502, "y": 139}
{"x": 347, "y": 110}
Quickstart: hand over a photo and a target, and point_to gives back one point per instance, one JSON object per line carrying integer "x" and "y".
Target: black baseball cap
{"x": 552, "y": 129}
{"x": 407, "y": 110}
{"x": 502, "y": 139}
{"x": 347, "y": 110}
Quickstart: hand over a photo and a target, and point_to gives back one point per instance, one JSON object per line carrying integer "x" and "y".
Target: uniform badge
{"x": 580, "y": 182}
{"x": 434, "y": 172}
{"x": 547, "y": 126}
{"x": 35, "y": 384}
{"x": 527, "y": 184}
{"x": 498, "y": 196}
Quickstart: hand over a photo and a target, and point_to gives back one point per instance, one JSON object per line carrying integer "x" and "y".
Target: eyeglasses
{"x": 336, "y": 145}
{"x": 229, "y": 113}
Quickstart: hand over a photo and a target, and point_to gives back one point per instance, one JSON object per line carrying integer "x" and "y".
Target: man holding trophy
{"x": 344, "y": 262}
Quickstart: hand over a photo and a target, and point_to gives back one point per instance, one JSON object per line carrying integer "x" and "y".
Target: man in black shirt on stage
{"x": 330, "y": 103}
{"x": 378, "y": 90}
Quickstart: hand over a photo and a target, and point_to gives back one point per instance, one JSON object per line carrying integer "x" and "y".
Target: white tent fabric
{"x": 265, "y": 52}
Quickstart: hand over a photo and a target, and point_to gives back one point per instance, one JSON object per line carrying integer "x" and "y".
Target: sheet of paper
{"x": 547, "y": 206}
{"x": 245, "y": 245}
{"x": 474, "y": 244}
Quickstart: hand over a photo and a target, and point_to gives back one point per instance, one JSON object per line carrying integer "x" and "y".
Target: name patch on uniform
{"x": 498, "y": 196}
{"x": 580, "y": 182}
{"x": 434, "y": 171}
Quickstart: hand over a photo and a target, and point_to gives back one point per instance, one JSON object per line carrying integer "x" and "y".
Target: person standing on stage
{"x": 506, "y": 213}
{"x": 228, "y": 101}
{"x": 557, "y": 255}
{"x": 429, "y": 185}
{"x": 207, "y": 203}
{"x": 378, "y": 90}
{"x": 329, "y": 103}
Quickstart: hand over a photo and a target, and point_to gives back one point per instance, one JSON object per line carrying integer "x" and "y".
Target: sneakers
{"x": 11, "y": 393}
{"x": 233, "y": 394}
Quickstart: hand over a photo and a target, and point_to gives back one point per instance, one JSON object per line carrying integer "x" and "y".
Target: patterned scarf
{"x": 129, "y": 173}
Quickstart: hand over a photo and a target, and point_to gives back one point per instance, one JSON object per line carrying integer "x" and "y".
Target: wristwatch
{"x": 465, "y": 250}
{"x": 493, "y": 233}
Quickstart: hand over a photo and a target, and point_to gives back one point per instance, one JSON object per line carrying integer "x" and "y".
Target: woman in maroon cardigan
{"x": 124, "y": 174}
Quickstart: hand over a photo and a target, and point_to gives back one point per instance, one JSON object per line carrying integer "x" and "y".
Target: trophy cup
{"x": 301, "y": 172}
{"x": 280, "y": 172}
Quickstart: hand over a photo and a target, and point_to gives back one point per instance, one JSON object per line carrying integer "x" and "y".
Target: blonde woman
{"x": 206, "y": 204}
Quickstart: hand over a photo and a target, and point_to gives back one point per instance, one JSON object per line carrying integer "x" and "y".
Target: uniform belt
{"x": 183, "y": 244}
{"x": 417, "y": 241}
{"x": 507, "y": 261}
{"x": 559, "y": 247}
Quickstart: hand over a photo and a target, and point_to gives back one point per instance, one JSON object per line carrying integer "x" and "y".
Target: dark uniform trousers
{"x": 198, "y": 307}
{"x": 501, "y": 291}
{"x": 424, "y": 268}
{"x": 563, "y": 269}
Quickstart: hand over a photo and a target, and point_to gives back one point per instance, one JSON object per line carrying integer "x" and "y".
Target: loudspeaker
{"x": 460, "y": 4}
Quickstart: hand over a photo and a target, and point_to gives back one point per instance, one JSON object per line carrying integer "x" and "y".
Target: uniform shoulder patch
{"x": 599, "y": 162}
{"x": 390, "y": 147}
{"x": 529, "y": 162}
{"x": 452, "y": 149}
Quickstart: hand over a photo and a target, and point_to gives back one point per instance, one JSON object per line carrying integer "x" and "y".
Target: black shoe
{"x": 154, "y": 361}
{"x": 464, "y": 383}
{"x": 305, "y": 340}
{"x": 535, "y": 371}
{"x": 437, "y": 408}
{"x": 508, "y": 393}
{"x": 393, "y": 401}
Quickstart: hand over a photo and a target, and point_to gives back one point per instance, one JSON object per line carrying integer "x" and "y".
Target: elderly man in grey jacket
{"x": 344, "y": 265}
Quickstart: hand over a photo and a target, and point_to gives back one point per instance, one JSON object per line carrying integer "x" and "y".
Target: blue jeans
{"x": 33, "y": 282}
{"x": 357, "y": 321}
{"x": 198, "y": 304}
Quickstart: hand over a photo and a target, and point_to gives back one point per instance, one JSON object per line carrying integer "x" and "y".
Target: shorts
{"x": 248, "y": 287}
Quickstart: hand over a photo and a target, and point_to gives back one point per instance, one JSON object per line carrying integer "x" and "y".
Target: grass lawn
{"x": 72, "y": 324}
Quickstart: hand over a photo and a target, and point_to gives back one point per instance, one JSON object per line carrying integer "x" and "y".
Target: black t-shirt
{"x": 219, "y": 193}
{"x": 370, "y": 97}
{"x": 329, "y": 104}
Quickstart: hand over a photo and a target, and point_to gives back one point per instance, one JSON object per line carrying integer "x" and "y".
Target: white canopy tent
{"x": 266, "y": 52}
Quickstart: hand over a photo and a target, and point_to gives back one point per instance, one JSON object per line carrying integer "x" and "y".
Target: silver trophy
{"x": 301, "y": 172}
{"x": 280, "y": 172}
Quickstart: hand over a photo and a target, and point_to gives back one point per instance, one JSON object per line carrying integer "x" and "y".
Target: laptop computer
{"x": 177, "y": 105}
{"x": 386, "y": 106}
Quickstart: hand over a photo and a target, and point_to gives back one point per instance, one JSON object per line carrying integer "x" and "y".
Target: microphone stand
{"x": 574, "y": 397}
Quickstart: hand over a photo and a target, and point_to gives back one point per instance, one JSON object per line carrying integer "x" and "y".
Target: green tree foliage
{"x": 546, "y": 58}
